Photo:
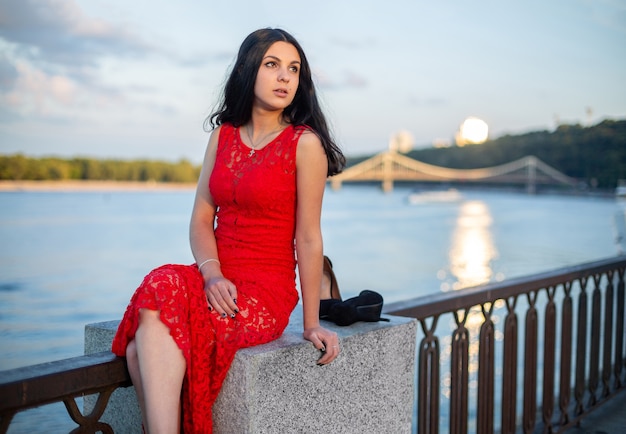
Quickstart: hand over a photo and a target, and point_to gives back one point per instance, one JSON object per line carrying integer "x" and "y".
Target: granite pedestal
{"x": 279, "y": 388}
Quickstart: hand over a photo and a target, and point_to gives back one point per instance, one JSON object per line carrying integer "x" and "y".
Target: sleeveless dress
{"x": 255, "y": 196}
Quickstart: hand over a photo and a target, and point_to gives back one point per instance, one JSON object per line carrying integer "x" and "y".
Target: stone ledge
{"x": 278, "y": 387}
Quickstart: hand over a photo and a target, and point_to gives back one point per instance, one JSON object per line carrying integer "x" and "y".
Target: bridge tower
{"x": 531, "y": 175}
{"x": 387, "y": 172}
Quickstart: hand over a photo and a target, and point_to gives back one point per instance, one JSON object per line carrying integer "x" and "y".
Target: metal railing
{"x": 478, "y": 373}
{"x": 474, "y": 372}
{"x": 64, "y": 381}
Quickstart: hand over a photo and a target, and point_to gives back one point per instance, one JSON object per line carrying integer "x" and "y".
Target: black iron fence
{"x": 64, "y": 381}
{"x": 532, "y": 354}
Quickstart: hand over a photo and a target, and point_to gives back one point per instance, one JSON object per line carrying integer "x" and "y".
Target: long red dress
{"x": 255, "y": 195}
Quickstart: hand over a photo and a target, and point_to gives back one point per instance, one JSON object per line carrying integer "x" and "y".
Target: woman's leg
{"x": 133, "y": 369}
{"x": 161, "y": 368}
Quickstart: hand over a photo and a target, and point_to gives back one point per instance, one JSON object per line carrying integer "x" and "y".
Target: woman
{"x": 257, "y": 206}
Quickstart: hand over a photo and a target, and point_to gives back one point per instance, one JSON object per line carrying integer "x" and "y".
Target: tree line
{"x": 594, "y": 155}
{"x": 19, "y": 168}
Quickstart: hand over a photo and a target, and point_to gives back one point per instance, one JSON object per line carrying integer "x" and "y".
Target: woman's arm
{"x": 221, "y": 293}
{"x": 311, "y": 169}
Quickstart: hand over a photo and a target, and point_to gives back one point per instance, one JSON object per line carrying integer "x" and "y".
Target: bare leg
{"x": 133, "y": 370}
{"x": 161, "y": 367}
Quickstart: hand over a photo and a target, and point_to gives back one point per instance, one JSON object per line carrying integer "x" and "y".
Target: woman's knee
{"x": 148, "y": 315}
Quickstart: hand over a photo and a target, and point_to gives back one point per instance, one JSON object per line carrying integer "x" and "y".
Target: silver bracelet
{"x": 207, "y": 261}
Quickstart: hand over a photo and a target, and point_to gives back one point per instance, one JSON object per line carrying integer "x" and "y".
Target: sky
{"x": 136, "y": 79}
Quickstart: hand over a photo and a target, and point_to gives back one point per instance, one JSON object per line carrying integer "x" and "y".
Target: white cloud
{"x": 52, "y": 64}
{"x": 340, "y": 81}
{"x": 35, "y": 91}
{"x": 58, "y": 31}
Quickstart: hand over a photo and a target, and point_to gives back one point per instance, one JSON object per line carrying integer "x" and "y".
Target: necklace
{"x": 253, "y": 146}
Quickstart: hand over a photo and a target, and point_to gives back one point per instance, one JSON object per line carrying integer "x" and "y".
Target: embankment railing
{"x": 481, "y": 367}
{"x": 64, "y": 381}
{"x": 534, "y": 354}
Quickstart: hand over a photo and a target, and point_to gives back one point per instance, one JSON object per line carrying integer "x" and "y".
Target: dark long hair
{"x": 238, "y": 95}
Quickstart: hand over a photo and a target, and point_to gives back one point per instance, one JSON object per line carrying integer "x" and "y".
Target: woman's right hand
{"x": 221, "y": 295}
{"x": 324, "y": 340}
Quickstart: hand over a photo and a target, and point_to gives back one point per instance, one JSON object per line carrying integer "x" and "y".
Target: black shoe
{"x": 325, "y": 306}
{"x": 367, "y": 306}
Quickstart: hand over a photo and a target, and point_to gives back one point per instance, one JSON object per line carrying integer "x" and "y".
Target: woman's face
{"x": 278, "y": 77}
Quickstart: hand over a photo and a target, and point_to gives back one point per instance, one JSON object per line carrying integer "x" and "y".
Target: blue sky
{"x": 135, "y": 79}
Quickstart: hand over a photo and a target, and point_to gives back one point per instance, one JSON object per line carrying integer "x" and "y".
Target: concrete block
{"x": 122, "y": 412}
{"x": 278, "y": 387}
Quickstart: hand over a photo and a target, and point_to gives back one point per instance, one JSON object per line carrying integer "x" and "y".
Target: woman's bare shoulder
{"x": 309, "y": 139}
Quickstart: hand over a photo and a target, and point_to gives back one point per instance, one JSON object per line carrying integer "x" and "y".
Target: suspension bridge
{"x": 390, "y": 166}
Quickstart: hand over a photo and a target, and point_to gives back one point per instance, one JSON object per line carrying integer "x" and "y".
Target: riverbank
{"x": 72, "y": 186}
{"x": 79, "y": 185}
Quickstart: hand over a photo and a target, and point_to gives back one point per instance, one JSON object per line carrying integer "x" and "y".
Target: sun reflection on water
{"x": 470, "y": 263}
{"x": 472, "y": 248}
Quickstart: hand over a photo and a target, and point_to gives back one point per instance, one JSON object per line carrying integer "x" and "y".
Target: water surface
{"x": 69, "y": 259}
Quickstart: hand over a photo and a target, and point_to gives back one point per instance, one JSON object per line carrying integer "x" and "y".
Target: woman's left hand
{"x": 324, "y": 340}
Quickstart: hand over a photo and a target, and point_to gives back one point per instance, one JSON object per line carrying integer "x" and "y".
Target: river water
{"x": 72, "y": 258}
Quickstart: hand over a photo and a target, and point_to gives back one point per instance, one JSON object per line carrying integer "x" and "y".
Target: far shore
{"x": 77, "y": 185}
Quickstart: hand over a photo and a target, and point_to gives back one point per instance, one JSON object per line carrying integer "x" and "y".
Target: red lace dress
{"x": 255, "y": 193}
